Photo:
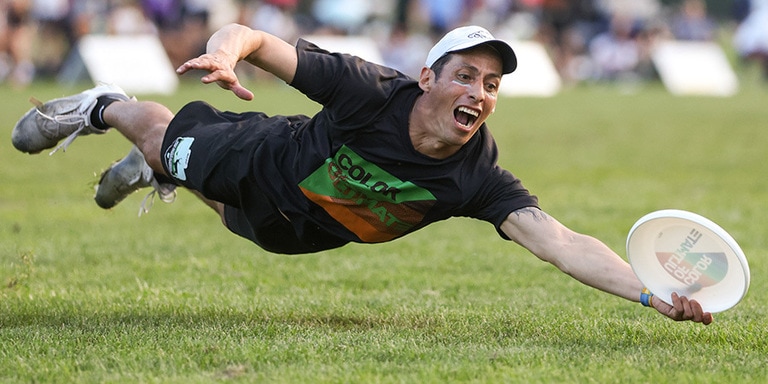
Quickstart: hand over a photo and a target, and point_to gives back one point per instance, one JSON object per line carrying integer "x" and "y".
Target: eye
{"x": 463, "y": 77}
{"x": 491, "y": 88}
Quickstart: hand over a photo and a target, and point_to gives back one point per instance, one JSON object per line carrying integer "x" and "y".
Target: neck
{"x": 422, "y": 130}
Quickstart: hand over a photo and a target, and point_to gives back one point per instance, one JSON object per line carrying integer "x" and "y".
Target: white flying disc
{"x": 679, "y": 251}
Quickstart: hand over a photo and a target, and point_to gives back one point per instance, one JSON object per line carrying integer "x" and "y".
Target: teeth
{"x": 468, "y": 111}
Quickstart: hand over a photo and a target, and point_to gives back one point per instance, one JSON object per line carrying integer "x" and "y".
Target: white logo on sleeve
{"x": 177, "y": 157}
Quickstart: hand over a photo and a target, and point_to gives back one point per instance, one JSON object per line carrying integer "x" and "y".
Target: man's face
{"x": 464, "y": 94}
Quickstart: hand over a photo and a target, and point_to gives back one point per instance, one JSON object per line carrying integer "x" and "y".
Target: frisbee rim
{"x": 689, "y": 217}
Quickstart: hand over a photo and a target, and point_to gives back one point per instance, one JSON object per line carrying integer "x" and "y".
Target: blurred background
{"x": 586, "y": 41}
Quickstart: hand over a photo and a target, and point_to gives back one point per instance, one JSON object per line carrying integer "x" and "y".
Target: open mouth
{"x": 465, "y": 116}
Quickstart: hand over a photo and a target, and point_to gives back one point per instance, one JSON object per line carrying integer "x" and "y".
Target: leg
{"x": 142, "y": 123}
{"x": 215, "y": 205}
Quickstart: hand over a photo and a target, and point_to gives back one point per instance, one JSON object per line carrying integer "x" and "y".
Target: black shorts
{"x": 211, "y": 152}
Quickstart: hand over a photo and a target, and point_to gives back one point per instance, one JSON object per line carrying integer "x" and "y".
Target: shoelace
{"x": 61, "y": 119}
{"x": 166, "y": 194}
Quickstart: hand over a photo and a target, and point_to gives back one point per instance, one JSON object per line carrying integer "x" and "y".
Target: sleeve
{"x": 500, "y": 195}
{"x": 498, "y": 191}
{"x": 348, "y": 87}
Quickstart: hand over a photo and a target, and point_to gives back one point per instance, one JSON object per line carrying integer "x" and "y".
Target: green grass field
{"x": 89, "y": 295}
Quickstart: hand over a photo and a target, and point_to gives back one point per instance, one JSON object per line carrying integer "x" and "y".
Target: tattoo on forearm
{"x": 536, "y": 214}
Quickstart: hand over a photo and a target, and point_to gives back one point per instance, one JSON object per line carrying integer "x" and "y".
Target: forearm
{"x": 591, "y": 262}
{"x": 583, "y": 257}
{"x": 594, "y": 264}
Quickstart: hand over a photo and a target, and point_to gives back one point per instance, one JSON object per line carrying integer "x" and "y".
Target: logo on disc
{"x": 703, "y": 269}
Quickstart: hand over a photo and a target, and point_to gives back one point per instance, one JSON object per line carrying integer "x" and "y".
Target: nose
{"x": 476, "y": 92}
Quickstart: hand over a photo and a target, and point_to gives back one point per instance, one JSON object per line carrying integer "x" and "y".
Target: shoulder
{"x": 313, "y": 58}
{"x": 327, "y": 77}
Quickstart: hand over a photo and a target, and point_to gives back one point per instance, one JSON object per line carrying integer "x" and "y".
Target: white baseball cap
{"x": 468, "y": 37}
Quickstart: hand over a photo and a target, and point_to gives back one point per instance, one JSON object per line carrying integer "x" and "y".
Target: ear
{"x": 426, "y": 79}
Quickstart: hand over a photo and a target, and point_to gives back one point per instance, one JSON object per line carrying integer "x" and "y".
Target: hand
{"x": 682, "y": 309}
{"x": 221, "y": 70}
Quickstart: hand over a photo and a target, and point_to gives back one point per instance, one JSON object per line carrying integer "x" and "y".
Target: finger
{"x": 698, "y": 313}
{"x": 682, "y": 308}
{"x": 225, "y": 78}
{"x": 205, "y": 61}
{"x": 677, "y": 303}
{"x": 688, "y": 312}
{"x": 228, "y": 80}
{"x": 184, "y": 68}
{"x": 242, "y": 92}
{"x": 194, "y": 63}
{"x": 215, "y": 78}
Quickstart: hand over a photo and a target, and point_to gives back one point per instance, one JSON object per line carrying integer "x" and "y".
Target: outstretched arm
{"x": 233, "y": 43}
{"x": 589, "y": 261}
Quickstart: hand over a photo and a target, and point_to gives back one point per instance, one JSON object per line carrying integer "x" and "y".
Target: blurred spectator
{"x": 52, "y": 20}
{"x": 740, "y": 10}
{"x": 272, "y": 16}
{"x": 584, "y": 39}
{"x": 443, "y": 15}
{"x": 404, "y": 51}
{"x": 490, "y": 13}
{"x": 127, "y": 18}
{"x": 341, "y": 16}
{"x": 751, "y": 38}
{"x": 16, "y": 42}
{"x": 692, "y": 22}
{"x": 566, "y": 29}
{"x": 615, "y": 53}
{"x": 635, "y": 9}
{"x": 196, "y": 28}
{"x": 402, "y": 14}
{"x": 182, "y": 26}
{"x": 165, "y": 14}
{"x": 86, "y": 17}
{"x": 277, "y": 17}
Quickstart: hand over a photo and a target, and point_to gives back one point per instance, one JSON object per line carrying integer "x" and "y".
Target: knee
{"x": 151, "y": 146}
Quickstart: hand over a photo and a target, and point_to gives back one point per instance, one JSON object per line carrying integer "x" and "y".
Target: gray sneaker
{"x": 127, "y": 176}
{"x": 46, "y": 124}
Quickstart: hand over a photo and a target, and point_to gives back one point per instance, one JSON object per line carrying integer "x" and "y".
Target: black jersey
{"x": 352, "y": 169}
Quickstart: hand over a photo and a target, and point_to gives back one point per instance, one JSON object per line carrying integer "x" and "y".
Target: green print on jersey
{"x": 365, "y": 199}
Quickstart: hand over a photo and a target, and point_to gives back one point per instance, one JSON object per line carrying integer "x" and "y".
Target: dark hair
{"x": 439, "y": 64}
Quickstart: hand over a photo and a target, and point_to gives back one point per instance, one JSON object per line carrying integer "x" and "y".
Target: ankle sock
{"x": 97, "y": 115}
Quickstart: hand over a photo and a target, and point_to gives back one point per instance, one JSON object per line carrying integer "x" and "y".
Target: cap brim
{"x": 508, "y": 56}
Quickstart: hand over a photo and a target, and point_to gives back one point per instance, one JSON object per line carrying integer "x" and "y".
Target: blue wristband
{"x": 646, "y": 297}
